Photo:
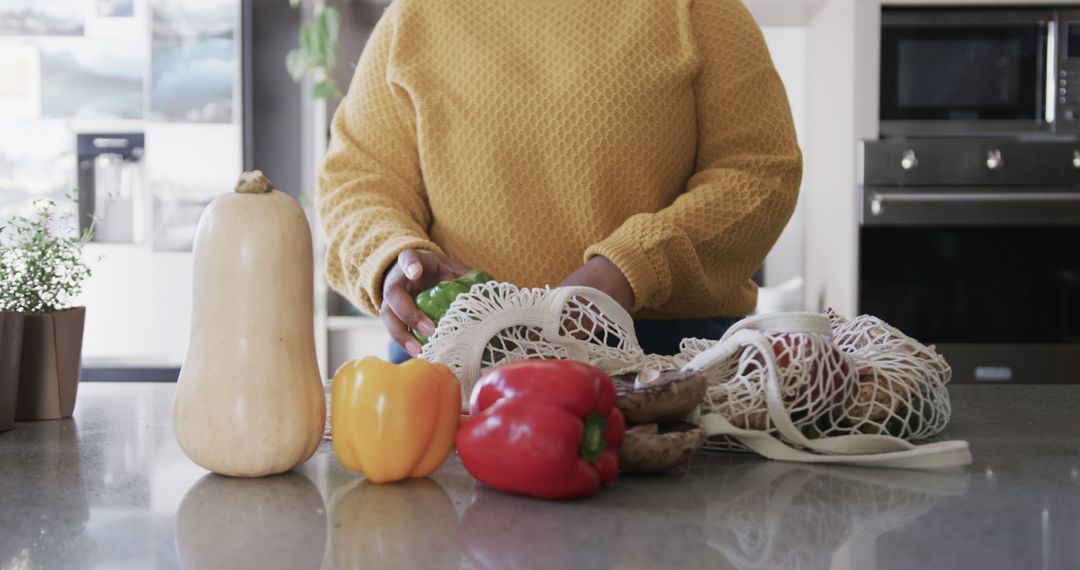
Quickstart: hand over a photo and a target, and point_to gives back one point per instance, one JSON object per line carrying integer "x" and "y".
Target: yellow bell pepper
{"x": 394, "y": 421}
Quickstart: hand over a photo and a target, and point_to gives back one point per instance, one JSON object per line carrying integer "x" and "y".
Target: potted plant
{"x": 11, "y": 333}
{"x": 41, "y": 271}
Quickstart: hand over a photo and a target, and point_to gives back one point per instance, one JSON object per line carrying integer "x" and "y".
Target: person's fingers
{"x": 414, "y": 271}
{"x": 457, "y": 268}
{"x": 423, "y": 267}
{"x": 404, "y": 307}
{"x": 398, "y": 330}
{"x": 411, "y": 264}
{"x": 440, "y": 267}
{"x": 396, "y": 290}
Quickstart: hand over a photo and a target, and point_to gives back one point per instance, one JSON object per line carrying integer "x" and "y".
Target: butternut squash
{"x": 249, "y": 401}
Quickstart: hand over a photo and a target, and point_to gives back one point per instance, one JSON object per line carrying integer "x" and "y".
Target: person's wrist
{"x": 618, "y": 286}
{"x": 601, "y": 273}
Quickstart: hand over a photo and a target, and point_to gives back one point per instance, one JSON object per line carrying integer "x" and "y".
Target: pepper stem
{"x": 594, "y": 440}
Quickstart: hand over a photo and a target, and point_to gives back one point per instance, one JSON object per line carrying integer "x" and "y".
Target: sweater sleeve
{"x": 703, "y": 248}
{"x": 370, "y": 200}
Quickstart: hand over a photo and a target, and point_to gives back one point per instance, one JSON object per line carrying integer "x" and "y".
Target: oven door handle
{"x": 883, "y": 208}
{"x": 878, "y": 199}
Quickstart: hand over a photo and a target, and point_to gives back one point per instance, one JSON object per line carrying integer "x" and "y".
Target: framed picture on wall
{"x": 120, "y": 19}
{"x": 188, "y": 165}
{"x": 114, "y": 8}
{"x": 37, "y": 160}
{"x": 42, "y": 17}
{"x": 91, "y": 78}
{"x": 194, "y": 63}
{"x": 20, "y": 82}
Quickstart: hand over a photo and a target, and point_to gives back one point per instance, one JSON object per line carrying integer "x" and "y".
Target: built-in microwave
{"x": 980, "y": 71}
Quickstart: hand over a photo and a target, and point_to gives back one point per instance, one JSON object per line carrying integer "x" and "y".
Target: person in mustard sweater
{"x": 642, "y": 148}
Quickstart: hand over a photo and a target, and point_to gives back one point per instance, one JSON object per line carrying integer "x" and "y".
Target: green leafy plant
{"x": 318, "y": 50}
{"x": 41, "y": 270}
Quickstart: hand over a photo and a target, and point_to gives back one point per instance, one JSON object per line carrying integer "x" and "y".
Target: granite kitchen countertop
{"x": 111, "y": 489}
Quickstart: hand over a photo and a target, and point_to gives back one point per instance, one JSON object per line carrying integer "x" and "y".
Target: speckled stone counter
{"x": 111, "y": 489}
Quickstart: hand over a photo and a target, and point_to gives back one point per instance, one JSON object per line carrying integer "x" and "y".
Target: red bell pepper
{"x": 544, "y": 428}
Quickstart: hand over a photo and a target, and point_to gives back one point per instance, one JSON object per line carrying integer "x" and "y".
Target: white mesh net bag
{"x": 901, "y": 383}
{"x": 784, "y": 386}
{"x": 495, "y": 323}
{"x": 814, "y": 380}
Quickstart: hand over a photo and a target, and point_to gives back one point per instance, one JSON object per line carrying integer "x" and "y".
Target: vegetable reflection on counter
{"x": 410, "y": 524}
{"x": 271, "y": 522}
{"x": 645, "y": 522}
{"x": 787, "y": 516}
{"x": 722, "y": 512}
{"x": 507, "y": 532}
{"x": 394, "y": 421}
{"x": 543, "y": 428}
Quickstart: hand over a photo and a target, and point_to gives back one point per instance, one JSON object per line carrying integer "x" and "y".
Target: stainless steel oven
{"x": 974, "y": 245}
{"x": 980, "y": 71}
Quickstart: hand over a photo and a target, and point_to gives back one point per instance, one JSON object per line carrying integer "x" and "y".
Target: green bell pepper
{"x": 435, "y": 301}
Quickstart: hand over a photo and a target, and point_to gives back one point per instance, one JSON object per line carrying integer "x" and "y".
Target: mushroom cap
{"x": 652, "y": 448}
{"x": 666, "y": 396}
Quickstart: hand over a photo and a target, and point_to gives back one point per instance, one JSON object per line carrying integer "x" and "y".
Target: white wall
{"x": 788, "y": 47}
{"x": 138, "y": 307}
{"x": 829, "y": 175}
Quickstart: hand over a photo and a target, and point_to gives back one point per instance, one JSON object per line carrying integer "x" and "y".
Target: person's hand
{"x": 415, "y": 271}
{"x": 600, "y": 273}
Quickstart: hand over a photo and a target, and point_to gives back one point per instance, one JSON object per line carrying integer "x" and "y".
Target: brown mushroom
{"x": 665, "y": 396}
{"x": 653, "y": 448}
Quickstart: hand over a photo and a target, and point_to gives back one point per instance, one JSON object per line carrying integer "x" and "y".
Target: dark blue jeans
{"x": 664, "y": 336}
{"x": 655, "y": 336}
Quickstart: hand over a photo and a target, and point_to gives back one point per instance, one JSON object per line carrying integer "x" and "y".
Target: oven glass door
{"x": 978, "y": 284}
{"x": 964, "y": 66}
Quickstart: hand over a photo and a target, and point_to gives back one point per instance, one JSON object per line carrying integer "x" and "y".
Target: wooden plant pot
{"x": 11, "y": 335}
{"x": 51, "y": 358}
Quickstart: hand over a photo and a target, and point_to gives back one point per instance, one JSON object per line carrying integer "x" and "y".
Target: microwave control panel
{"x": 1067, "y": 88}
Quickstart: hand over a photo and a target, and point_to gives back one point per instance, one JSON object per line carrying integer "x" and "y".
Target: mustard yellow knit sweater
{"x": 523, "y": 137}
